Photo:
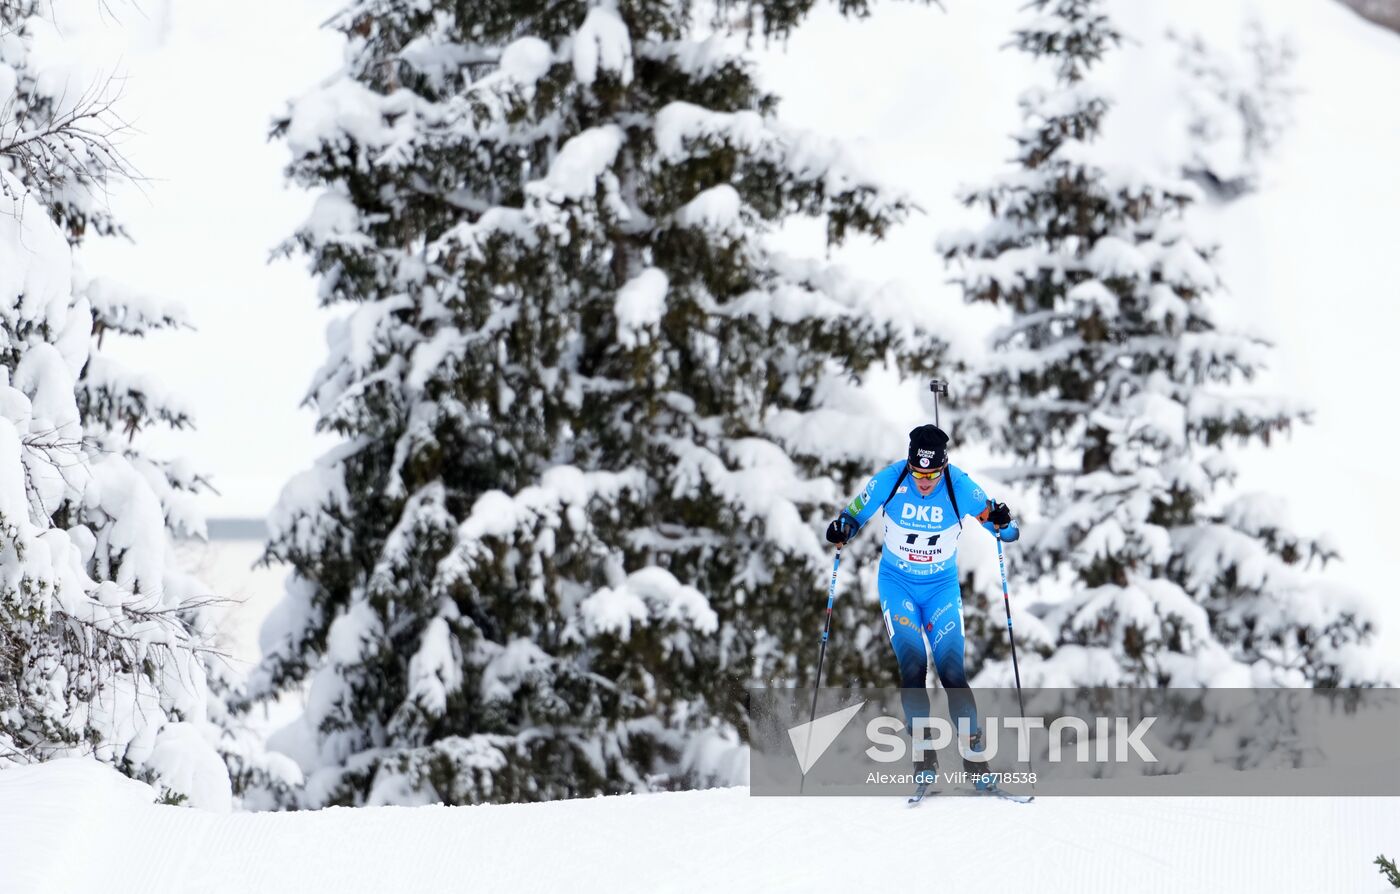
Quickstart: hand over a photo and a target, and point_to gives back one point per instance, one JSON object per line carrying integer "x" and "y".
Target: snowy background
{"x": 927, "y": 97}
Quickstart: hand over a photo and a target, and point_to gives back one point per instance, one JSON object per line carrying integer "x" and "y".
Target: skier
{"x": 925, "y": 499}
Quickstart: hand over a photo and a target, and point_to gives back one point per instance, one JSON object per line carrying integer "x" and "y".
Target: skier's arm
{"x": 863, "y": 506}
{"x": 994, "y": 516}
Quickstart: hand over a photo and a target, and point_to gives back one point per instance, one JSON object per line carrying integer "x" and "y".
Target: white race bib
{"x": 921, "y": 547}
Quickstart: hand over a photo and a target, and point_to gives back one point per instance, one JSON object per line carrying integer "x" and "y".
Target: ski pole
{"x": 1006, "y": 600}
{"x": 821, "y": 659}
{"x": 937, "y": 386}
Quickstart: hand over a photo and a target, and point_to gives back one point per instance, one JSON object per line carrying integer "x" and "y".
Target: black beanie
{"x": 928, "y": 447}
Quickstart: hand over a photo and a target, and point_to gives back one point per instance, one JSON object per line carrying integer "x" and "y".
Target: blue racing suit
{"x": 919, "y": 592}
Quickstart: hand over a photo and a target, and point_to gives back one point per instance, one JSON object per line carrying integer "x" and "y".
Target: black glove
{"x": 1000, "y": 515}
{"x": 841, "y": 530}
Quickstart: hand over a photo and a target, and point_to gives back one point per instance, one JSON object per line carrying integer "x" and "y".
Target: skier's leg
{"x": 945, "y": 634}
{"x": 902, "y": 617}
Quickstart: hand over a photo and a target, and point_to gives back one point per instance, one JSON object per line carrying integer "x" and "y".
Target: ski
{"x": 1006, "y": 796}
{"x": 923, "y": 791}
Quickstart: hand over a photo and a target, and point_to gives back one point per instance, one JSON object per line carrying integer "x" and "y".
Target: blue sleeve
{"x": 974, "y": 501}
{"x": 877, "y": 490}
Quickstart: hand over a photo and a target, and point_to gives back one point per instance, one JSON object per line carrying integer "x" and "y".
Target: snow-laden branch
{"x": 79, "y": 144}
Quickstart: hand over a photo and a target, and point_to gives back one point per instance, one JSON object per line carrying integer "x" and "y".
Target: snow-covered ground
{"x": 76, "y": 826}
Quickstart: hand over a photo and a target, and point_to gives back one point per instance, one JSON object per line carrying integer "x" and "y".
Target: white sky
{"x": 928, "y": 96}
{"x": 205, "y": 80}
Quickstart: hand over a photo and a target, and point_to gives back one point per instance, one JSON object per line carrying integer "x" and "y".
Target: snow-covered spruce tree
{"x": 1241, "y": 105}
{"x": 1118, "y": 392}
{"x": 592, "y": 423}
{"x": 1388, "y": 869}
{"x": 123, "y": 679}
{"x": 95, "y": 656}
{"x": 59, "y": 140}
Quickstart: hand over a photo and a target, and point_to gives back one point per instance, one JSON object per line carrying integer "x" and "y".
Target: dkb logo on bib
{"x": 932, "y": 514}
